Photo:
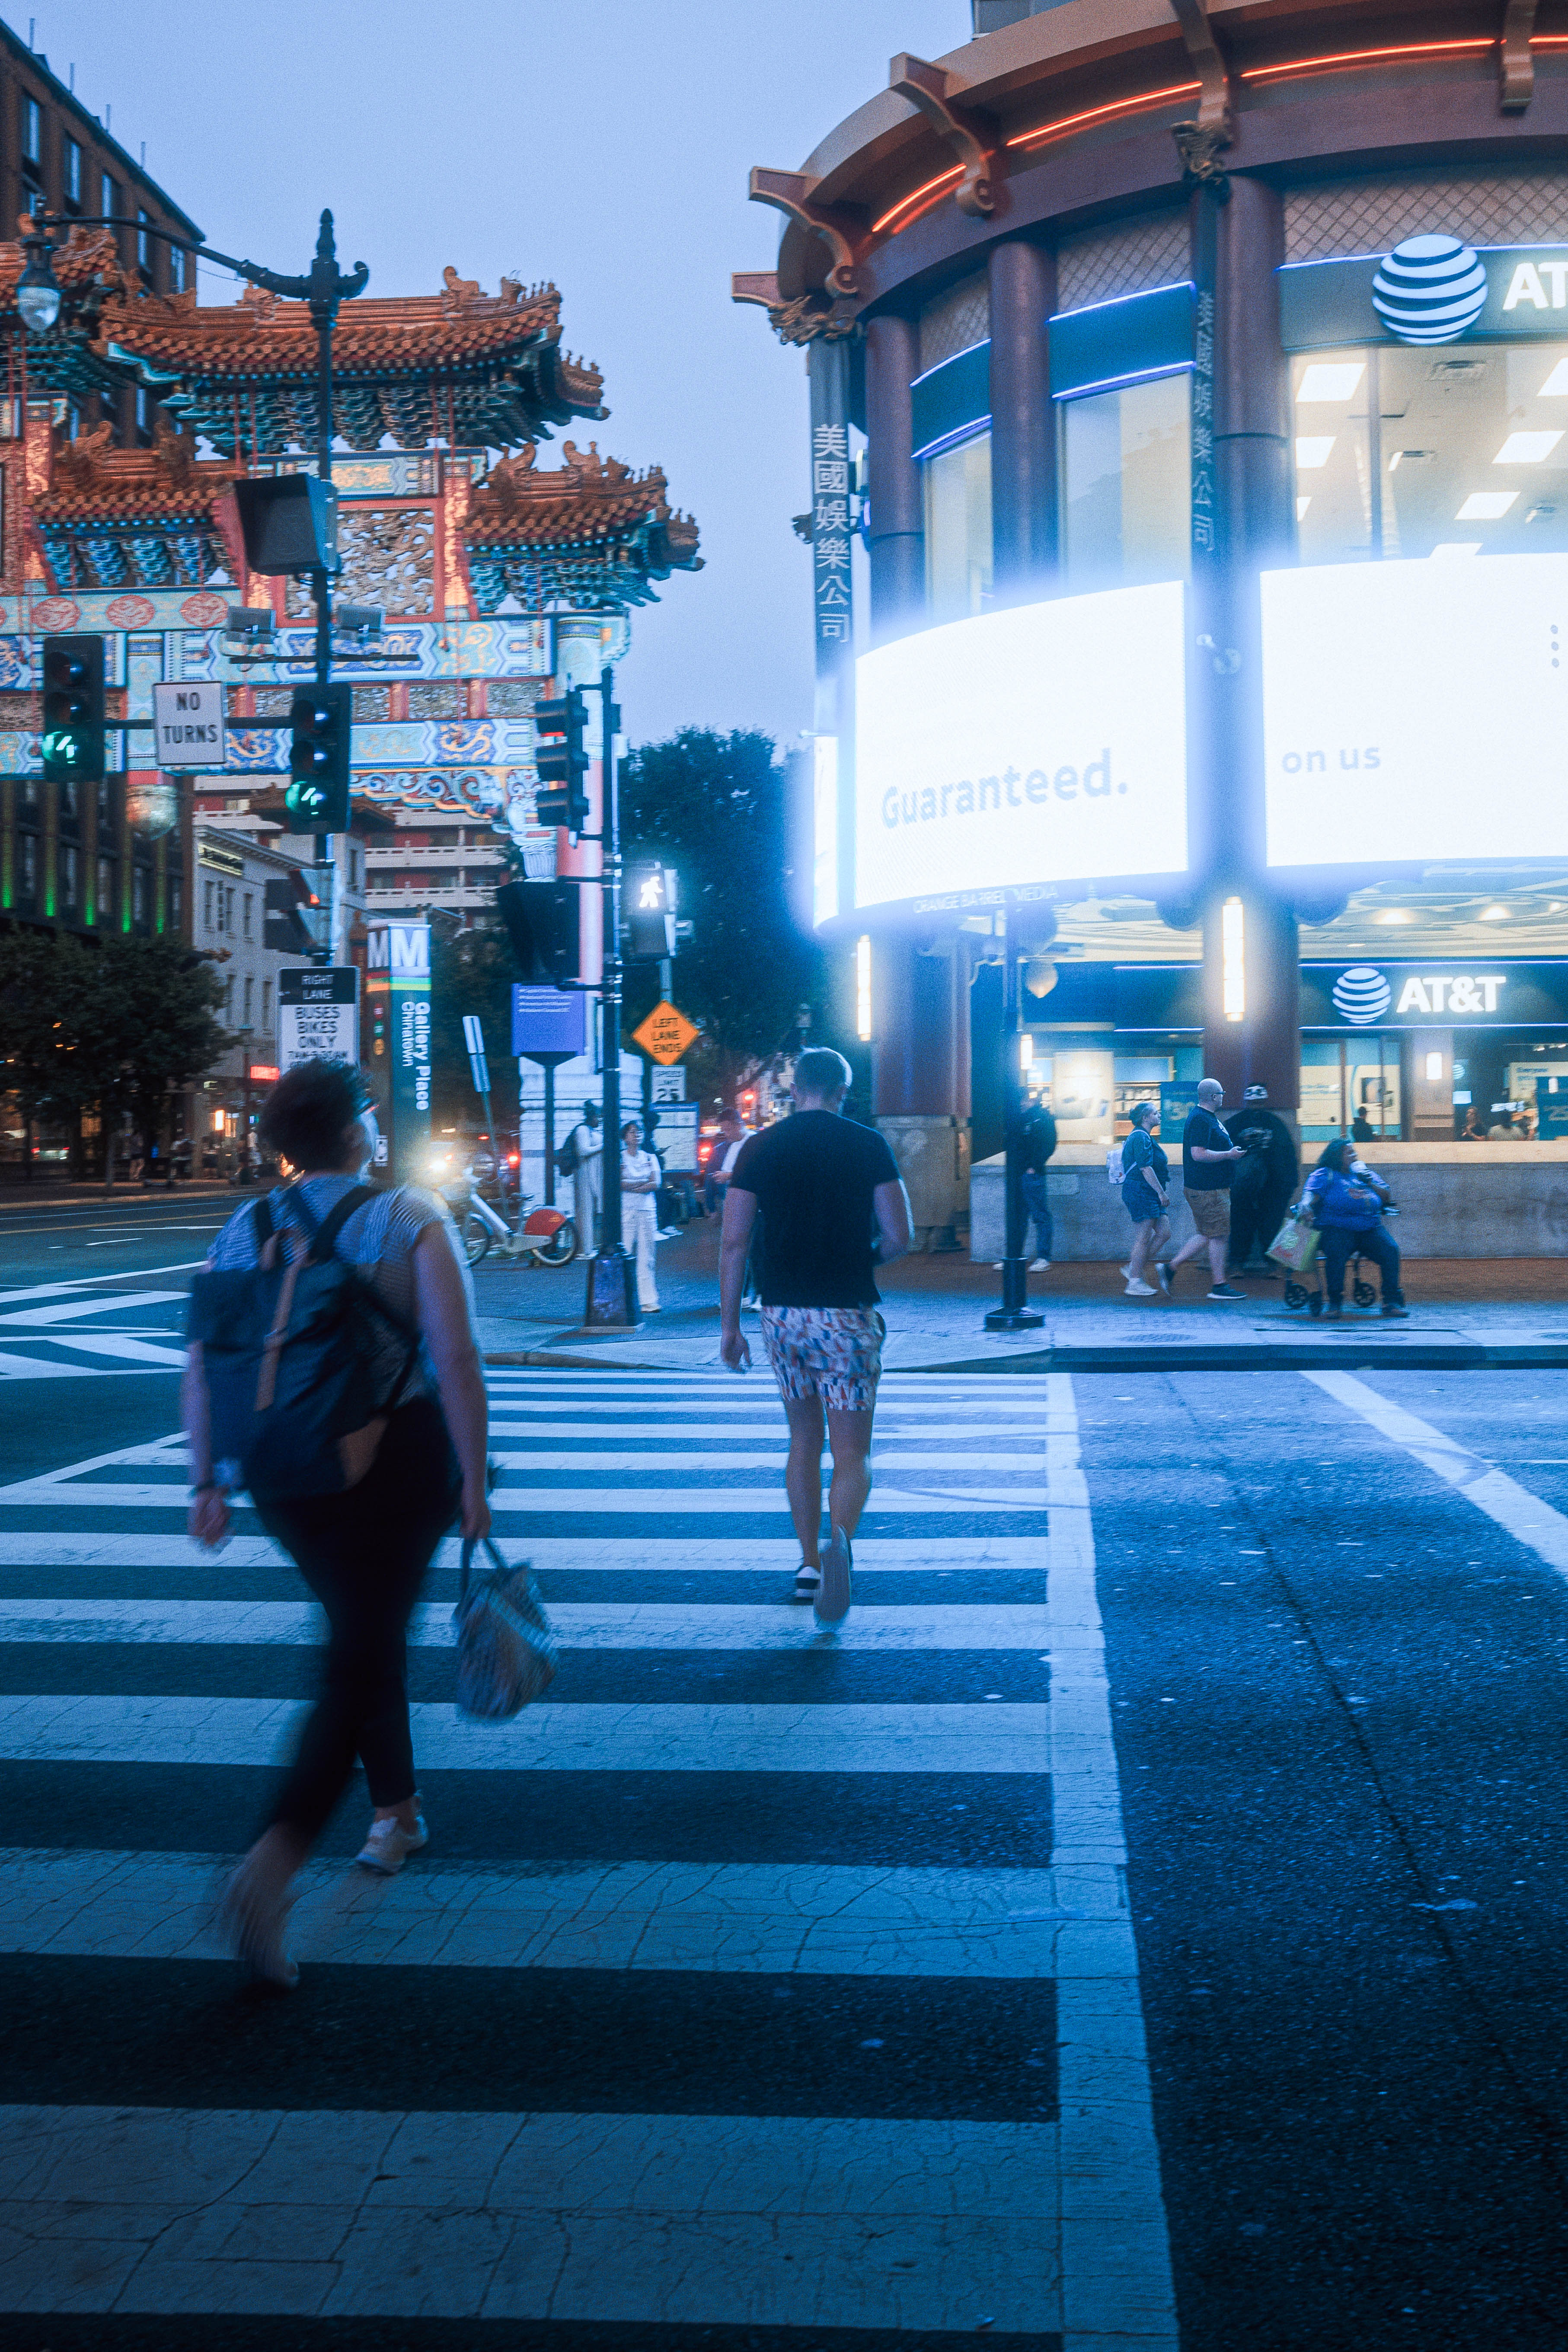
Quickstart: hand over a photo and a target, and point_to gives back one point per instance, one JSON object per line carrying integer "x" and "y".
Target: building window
{"x": 69, "y": 873}
{"x": 176, "y": 903}
{"x": 143, "y": 245}
{"x": 249, "y": 986}
{"x": 208, "y": 905}
{"x": 105, "y": 907}
{"x": 249, "y": 903}
{"x": 1404, "y": 452}
{"x": 32, "y": 144}
{"x": 266, "y": 1004}
{"x": 958, "y": 530}
{"x": 109, "y": 196}
{"x": 26, "y": 866}
{"x": 141, "y": 895}
{"x": 68, "y": 801}
{"x": 177, "y": 258}
{"x": 1126, "y": 462}
{"x": 73, "y": 176}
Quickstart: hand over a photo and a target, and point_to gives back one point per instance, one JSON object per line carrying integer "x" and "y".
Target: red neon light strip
{"x": 1367, "y": 57}
{"x": 932, "y": 188}
{"x": 1098, "y": 113}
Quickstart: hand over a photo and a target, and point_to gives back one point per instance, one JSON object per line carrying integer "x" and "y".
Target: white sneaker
{"x": 1140, "y": 1290}
{"x": 389, "y": 1844}
{"x": 808, "y": 1582}
{"x": 835, "y": 1591}
{"x": 1125, "y": 1272}
{"x": 1039, "y": 1265}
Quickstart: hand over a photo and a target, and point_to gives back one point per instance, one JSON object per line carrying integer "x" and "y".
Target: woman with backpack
{"x": 332, "y": 1360}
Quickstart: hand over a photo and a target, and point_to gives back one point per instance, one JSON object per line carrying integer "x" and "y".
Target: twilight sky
{"x": 603, "y": 143}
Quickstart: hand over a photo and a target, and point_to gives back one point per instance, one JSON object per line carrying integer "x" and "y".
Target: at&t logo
{"x": 1430, "y": 290}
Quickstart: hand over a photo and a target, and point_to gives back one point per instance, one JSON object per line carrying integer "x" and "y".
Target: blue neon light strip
{"x": 950, "y": 402}
{"x": 1124, "y": 341}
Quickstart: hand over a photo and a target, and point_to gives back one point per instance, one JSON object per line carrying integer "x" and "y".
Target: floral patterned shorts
{"x": 833, "y": 1353}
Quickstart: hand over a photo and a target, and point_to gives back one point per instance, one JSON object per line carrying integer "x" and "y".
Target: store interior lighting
{"x": 1527, "y": 448}
{"x": 1313, "y": 451}
{"x": 1486, "y": 506}
{"x": 1434, "y": 1069}
{"x": 1302, "y": 506}
{"x": 1457, "y": 547}
{"x": 1327, "y": 379}
{"x": 1233, "y": 961}
{"x": 1556, "y": 384}
{"x": 1494, "y": 914}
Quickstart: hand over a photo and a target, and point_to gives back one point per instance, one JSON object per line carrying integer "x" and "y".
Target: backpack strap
{"x": 262, "y": 1219}
{"x": 324, "y": 1238}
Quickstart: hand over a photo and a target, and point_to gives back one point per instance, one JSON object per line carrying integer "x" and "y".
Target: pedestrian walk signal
{"x": 294, "y": 919}
{"x": 562, "y": 762}
{"x": 71, "y": 735}
{"x": 649, "y": 904}
{"x": 321, "y": 721}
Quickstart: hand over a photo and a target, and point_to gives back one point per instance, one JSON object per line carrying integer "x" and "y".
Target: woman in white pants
{"x": 640, "y": 1180}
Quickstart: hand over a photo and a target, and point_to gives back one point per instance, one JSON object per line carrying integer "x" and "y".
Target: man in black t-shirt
{"x": 1208, "y": 1164}
{"x": 821, "y": 1186}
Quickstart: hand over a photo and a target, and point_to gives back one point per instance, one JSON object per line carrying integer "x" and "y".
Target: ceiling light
{"x": 1486, "y": 506}
{"x": 1331, "y": 379}
{"x": 1527, "y": 448}
{"x": 1457, "y": 547}
{"x": 1302, "y": 506}
{"x": 1394, "y": 915}
{"x": 1312, "y": 450}
{"x": 1494, "y": 914}
{"x": 1556, "y": 384}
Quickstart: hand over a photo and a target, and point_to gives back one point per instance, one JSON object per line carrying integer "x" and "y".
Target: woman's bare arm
{"x": 206, "y": 1517}
{"x": 447, "y": 1329}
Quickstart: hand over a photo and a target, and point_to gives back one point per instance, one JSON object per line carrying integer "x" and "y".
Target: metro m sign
{"x": 400, "y": 949}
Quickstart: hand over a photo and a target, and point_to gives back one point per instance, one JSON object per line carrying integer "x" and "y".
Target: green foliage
{"x": 471, "y": 973}
{"x": 714, "y": 808}
{"x": 115, "y": 1026}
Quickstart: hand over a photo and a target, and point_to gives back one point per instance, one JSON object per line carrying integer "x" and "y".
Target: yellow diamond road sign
{"x": 665, "y": 1033}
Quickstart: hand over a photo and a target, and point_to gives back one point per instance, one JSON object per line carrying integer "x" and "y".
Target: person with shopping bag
{"x": 333, "y": 1373}
{"x": 1346, "y": 1201}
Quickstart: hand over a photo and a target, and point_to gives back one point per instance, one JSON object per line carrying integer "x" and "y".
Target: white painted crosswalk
{"x": 818, "y": 1993}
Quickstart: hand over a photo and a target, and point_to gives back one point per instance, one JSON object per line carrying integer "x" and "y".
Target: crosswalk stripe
{"x": 578, "y": 1625}
{"x": 766, "y": 1919}
{"x": 656, "y": 1555}
{"x": 1005, "y": 1737}
{"x": 882, "y": 1459}
{"x": 649, "y": 1502}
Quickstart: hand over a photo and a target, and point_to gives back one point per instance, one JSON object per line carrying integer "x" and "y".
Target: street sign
{"x": 665, "y": 1033}
{"x": 668, "y": 1086}
{"x": 675, "y": 1138}
{"x": 548, "y": 1021}
{"x": 189, "y": 727}
{"x": 474, "y": 1038}
{"x": 318, "y": 1015}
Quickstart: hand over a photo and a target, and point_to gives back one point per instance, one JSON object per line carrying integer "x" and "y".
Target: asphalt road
{"x": 793, "y": 1977}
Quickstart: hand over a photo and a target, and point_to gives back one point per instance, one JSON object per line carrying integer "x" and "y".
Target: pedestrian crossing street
{"x": 760, "y": 1979}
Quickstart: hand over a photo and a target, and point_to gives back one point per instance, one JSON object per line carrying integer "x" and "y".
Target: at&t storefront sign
{"x": 1434, "y": 996}
{"x": 1429, "y": 289}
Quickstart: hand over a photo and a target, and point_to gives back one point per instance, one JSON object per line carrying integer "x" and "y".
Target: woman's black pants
{"x": 1340, "y": 1246}
{"x": 365, "y": 1555}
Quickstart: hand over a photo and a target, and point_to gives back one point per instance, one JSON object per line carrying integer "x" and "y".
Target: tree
{"x": 47, "y": 993}
{"x": 151, "y": 1027}
{"x": 713, "y": 806}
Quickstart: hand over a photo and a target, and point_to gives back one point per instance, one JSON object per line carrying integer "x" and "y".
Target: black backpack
{"x": 288, "y": 1347}
{"x": 566, "y": 1155}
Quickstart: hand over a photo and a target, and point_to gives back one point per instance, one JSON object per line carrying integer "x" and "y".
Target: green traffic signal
{"x": 321, "y": 724}
{"x": 71, "y": 733}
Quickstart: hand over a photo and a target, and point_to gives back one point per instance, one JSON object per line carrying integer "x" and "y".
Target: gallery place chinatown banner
{"x": 1044, "y": 744}
{"x": 1416, "y": 710}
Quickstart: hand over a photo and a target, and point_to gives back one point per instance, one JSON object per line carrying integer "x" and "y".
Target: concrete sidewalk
{"x": 1507, "y": 1311}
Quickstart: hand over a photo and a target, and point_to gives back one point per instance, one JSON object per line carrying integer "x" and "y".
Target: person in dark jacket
{"x": 1346, "y": 1201}
{"x": 1040, "y": 1142}
{"x": 1264, "y": 1180}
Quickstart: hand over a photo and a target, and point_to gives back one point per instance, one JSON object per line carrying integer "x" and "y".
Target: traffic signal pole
{"x": 612, "y": 1288}
{"x": 323, "y": 313}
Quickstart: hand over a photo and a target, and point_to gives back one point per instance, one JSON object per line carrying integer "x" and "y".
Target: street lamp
{"x": 37, "y": 294}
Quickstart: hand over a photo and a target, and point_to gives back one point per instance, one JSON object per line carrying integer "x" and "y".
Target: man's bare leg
{"x": 849, "y": 1435}
{"x": 802, "y": 1475}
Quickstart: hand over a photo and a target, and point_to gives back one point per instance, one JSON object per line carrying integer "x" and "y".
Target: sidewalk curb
{"x": 558, "y": 1360}
{"x": 1285, "y": 1355}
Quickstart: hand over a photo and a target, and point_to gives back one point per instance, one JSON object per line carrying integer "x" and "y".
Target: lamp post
{"x": 323, "y": 289}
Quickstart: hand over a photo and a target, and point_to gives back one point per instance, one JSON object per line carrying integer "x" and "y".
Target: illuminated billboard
{"x": 1045, "y": 743}
{"x": 1416, "y": 710}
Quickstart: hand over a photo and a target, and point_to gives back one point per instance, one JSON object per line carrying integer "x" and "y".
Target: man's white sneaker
{"x": 389, "y": 1844}
{"x": 1039, "y": 1265}
{"x": 835, "y": 1592}
{"x": 1140, "y": 1290}
{"x": 808, "y": 1582}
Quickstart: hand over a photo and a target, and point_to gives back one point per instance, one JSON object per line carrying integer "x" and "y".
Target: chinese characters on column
{"x": 830, "y": 535}
{"x": 1205, "y": 500}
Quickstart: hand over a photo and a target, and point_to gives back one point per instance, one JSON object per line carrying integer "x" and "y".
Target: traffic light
{"x": 72, "y": 730}
{"x": 293, "y": 917}
{"x": 649, "y": 905}
{"x": 320, "y": 723}
{"x": 561, "y": 764}
{"x": 540, "y": 918}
